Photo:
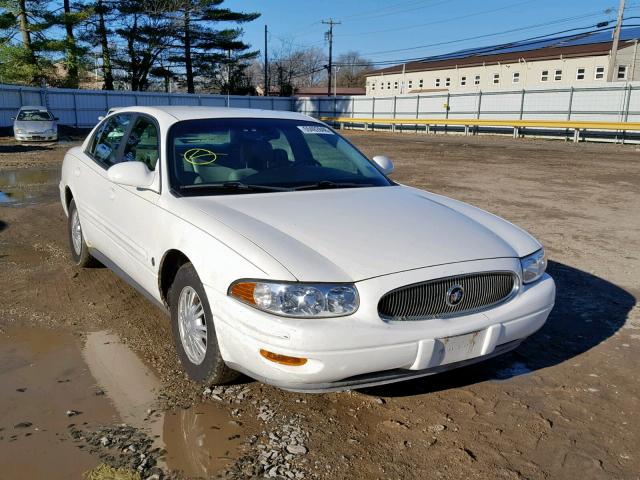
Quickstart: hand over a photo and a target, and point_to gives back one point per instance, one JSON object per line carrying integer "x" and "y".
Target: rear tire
{"x": 194, "y": 332}
{"x": 77, "y": 246}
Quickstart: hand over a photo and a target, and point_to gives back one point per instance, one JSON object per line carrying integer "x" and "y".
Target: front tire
{"x": 77, "y": 246}
{"x": 194, "y": 333}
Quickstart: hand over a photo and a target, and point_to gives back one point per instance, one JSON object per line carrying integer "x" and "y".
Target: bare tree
{"x": 352, "y": 67}
{"x": 291, "y": 68}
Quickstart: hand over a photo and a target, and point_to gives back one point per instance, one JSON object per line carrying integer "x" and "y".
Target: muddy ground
{"x": 564, "y": 405}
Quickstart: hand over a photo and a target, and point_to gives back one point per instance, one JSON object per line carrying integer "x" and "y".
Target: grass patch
{"x": 105, "y": 472}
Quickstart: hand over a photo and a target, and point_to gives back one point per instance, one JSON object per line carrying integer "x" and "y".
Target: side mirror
{"x": 133, "y": 174}
{"x": 385, "y": 163}
{"x": 56, "y": 118}
{"x": 13, "y": 118}
{"x": 100, "y": 118}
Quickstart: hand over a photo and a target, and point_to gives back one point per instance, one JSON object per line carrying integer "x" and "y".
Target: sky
{"x": 394, "y": 30}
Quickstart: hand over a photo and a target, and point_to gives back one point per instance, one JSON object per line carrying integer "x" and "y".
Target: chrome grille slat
{"x": 427, "y": 300}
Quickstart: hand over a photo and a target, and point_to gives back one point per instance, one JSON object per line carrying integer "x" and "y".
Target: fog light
{"x": 283, "y": 359}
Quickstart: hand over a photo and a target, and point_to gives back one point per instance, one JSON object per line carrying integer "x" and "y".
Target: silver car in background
{"x": 35, "y": 123}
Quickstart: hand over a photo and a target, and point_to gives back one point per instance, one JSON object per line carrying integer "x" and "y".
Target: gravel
{"x": 121, "y": 446}
{"x": 279, "y": 450}
{"x": 276, "y": 453}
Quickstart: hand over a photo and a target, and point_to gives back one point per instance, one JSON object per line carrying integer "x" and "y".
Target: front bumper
{"x": 380, "y": 378}
{"x": 362, "y": 349}
{"x": 36, "y": 137}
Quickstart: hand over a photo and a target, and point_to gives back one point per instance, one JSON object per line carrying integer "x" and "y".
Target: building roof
{"x": 322, "y": 91}
{"x": 585, "y": 44}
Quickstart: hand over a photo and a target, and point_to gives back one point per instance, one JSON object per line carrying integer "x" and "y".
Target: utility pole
{"x": 266, "y": 65}
{"x": 329, "y": 37}
{"x": 614, "y": 45}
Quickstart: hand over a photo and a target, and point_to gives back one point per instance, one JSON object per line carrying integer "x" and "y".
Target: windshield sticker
{"x": 200, "y": 156}
{"x": 318, "y": 130}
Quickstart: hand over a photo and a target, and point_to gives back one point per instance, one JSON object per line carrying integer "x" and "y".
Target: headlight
{"x": 297, "y": 299}
{"x": 533, "y": 266}
{"x": 19, "y": 130}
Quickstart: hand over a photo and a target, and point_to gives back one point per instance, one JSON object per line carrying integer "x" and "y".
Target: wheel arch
{"x": 68, "y": 196}
{"x": 171, "y": 262}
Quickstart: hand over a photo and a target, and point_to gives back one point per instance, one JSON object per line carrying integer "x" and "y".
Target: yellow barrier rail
{"x": 517, "y": 125}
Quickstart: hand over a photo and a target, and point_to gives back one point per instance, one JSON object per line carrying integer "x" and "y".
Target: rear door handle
{"x": 112, "y": 193}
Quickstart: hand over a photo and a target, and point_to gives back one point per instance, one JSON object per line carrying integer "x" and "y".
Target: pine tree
{"x": 69, "y": 18}
{"x": 23, "y": 50}
{"x": 147, "y": 33}
{"x": 203, "y": 46}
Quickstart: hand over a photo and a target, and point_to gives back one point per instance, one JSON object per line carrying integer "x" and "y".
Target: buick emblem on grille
{"x": 455, "y": 295}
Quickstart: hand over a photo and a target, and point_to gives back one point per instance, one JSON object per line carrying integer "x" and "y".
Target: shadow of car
{"x": 588, "y": 311}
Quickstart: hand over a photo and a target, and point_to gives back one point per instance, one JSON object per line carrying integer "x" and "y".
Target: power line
{"x": 435, "y": 22}
{"x": 397, "y": 12}
{"x": 485, "y": 51}
{"x": 373, "y": 13}
{"x": 392, "y": 7}
{"x": 285, "y": 40}
{"x": 487, "y": 35}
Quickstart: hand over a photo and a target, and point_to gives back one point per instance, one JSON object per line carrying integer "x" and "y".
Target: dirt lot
{"x": 564, "y": 405}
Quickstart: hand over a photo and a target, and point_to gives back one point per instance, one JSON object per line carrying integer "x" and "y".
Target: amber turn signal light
{"x": 244, "y": 291}
{"x": 283, "y": 359}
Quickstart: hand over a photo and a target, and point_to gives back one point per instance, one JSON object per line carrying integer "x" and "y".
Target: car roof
{"x": 197, "y": 112}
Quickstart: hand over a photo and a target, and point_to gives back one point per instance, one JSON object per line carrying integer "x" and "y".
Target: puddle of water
{"x": 120, "y": 373}
{"x": 42, "y": 376}
{"x": 200, "y": 441}
{"x": 28, "y": 186}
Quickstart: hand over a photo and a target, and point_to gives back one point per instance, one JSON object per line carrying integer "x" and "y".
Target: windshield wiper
{"x": 238, "y": 186}
{"x": 329, "y": 184}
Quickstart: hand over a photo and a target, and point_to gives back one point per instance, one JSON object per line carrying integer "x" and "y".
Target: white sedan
{"x": 281, "y": 251}
{"x": 35, "y": 123}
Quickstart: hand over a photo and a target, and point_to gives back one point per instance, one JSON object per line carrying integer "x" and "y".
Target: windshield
{"x": 35, "y": 116}
{"x": 240, "y": 155}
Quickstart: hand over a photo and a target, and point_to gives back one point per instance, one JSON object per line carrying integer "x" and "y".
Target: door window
{"x": 142, "y": 144}
{"x": 106, "y": 141}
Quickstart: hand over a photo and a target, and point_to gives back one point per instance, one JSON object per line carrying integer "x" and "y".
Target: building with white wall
{"x": 553, "y": 63}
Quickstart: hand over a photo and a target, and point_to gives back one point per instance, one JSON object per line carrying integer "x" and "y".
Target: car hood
{"x": 358, "y": 233}
{"x": 34, "y": 126}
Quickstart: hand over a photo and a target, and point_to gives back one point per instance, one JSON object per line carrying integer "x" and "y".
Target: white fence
{"x": 616, "y": 102}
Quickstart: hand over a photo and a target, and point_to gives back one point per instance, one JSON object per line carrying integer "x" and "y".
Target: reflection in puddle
{"x": 27, "y": 186}
{"x": 200, "y": 441}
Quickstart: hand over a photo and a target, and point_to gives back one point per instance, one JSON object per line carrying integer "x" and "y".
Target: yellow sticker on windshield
{"x": 200, "y": 156}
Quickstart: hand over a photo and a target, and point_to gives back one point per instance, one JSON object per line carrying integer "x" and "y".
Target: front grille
{"x": 426, "y": 300}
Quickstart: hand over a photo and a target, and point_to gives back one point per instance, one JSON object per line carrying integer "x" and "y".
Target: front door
{"x": 133, "y": 212}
